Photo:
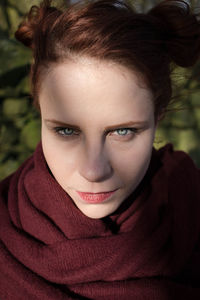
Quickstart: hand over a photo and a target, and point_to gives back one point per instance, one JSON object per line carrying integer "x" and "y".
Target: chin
{"x": 96, "y": 214}
{"x": 98, "y": 211}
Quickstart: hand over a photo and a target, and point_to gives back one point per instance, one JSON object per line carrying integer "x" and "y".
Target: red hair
{"x": 111, "y": 30}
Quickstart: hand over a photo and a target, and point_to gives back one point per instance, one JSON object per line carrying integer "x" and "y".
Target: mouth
{"x": 95, "y": 197}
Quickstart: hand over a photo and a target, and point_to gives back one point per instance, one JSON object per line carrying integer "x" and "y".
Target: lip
{"x": 95, "y": 197}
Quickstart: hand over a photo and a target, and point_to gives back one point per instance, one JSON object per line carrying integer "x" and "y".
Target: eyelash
{"x": 57, "y": 129}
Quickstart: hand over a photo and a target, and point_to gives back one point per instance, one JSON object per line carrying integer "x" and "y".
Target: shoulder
{"x": 10, "y": 181}
{"x": 180, "y": 177}
{"x": 177, "y": 162}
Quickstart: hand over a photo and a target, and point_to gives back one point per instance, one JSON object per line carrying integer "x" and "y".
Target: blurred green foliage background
{"x": 20, "y": 122}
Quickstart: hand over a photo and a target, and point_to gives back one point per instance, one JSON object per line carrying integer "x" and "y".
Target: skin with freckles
{"x": 89, "y": 150}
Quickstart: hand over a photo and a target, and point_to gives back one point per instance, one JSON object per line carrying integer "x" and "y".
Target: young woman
{"x": 96, "y": 212}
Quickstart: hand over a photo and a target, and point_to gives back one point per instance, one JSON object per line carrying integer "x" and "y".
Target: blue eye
{"x": 67, "y": 132}
{"x": 122, "y": 131}
{"x": 64, "y": 131}
{"x": 126, "y": 131}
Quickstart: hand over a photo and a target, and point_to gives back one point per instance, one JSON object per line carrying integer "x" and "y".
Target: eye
{"x": 65, "y": 132}
{"x": 126, "y": 131}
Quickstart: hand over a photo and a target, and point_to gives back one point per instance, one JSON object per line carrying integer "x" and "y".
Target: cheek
{"x": 60, "y": 159}
{"x": 61, "y": 165}
{"x": 133, "y": 163}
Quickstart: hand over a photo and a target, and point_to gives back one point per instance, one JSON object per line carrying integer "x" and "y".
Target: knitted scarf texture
{"x": 148, "y": 249}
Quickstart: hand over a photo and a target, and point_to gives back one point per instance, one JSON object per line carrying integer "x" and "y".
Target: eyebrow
{"x": 130, "y": 123}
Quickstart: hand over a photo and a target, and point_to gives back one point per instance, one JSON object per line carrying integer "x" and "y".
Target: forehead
{"x": 93, "y": 83}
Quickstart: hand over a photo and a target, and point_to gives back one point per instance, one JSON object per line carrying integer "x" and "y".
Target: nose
{"x": 95, "y": 165}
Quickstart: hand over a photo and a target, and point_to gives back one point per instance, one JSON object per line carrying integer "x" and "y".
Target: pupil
{"x": 122, "y": 131}
{"x": 68, "y": 131}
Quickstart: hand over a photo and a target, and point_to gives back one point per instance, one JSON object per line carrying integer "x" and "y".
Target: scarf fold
{"x": 147, "y": 249}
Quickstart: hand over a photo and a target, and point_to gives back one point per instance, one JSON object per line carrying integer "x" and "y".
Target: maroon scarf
{"x": 147, "y": 249}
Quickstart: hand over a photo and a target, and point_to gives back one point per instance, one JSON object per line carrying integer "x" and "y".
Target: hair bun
{"x": 25, "y": 32}
{"x": 33, "y": 20}
{"x": 181, "y": 31}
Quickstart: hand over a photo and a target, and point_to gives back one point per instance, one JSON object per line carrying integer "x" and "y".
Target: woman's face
{"x": 97, "y": 132}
